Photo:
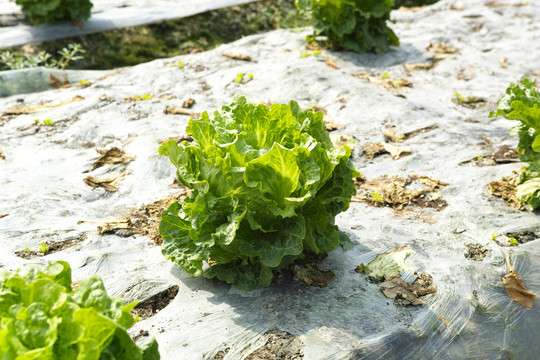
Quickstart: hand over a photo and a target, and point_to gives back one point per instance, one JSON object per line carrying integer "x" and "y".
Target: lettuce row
{"x": 522, "y": 103}
{"x": 43, "y": 318}
{"x": 358, "y": 25}
{"x": 40, "y": 12}
{"x": 267, "y": 184}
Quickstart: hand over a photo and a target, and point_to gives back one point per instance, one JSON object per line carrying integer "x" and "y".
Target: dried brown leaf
{"x": 2, "y": 156}
{"x": 441, "y": 48}
{"x": 112, "y": 226}
{"x": 188, "y": 103}
{"x": 515, "y": 287}
{"x": 373, "y": 149}
{"x": 392, "y": 85}
{"x": 235, "y": 56}
{"x": 113, "y": 155}
{"x": 506, "y": 189}
{"x": 503, "y": 62}
{"x": 30, "y": 109}
{"x": 405, "y": 293}
{"x": 57, "y": 83}
{"x": 178, "y": 139}
{"x": 3, "y": 215}
{"x": 109, "y": 184}
{"x": 343, "y": 139}
{"x": 330, "y": 62}
{"x": 181, "y": 111}
{"x": 409, "y": 68}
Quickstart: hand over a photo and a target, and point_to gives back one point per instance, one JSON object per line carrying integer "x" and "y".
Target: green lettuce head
{"x": 267, "y": 185}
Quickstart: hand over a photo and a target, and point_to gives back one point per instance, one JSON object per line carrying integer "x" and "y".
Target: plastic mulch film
{"x": 456, "y": 231}
{"x": 106, "y": 15}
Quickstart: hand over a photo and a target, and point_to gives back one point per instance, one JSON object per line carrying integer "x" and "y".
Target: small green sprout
{"x": 239, "y": 78}
{"x": 43, "y": 247}
{"x": 316, "y": 52}
{"x": 144, "y": 97}
{"x": 305, "y": 54}
{"x": 376, "y": 196}
{"x": 36, "y": 121}
{"x": 84, "y": 82}
{"x": 400, "y": 137}
{"x": 180, "y": 64}
{"x": 27, "y": 250}
{"x": 137, "y": 318}
{"x": 47, "y": 122}
{"x": 480, "y": 157}
{"x": 250, "y": 76}
{"x": 386, "y": 75}
{"x": 494, "y": 236}
{"x": 513, "y": 241}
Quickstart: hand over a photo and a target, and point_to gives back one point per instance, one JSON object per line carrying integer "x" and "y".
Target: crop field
{"x": 260, "y": 184}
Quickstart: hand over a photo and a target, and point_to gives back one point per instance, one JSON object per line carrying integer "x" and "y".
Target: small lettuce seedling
{"x": 43, "y": 247}
{"x": 267, "y": 185}
{"x": 42, "y": 317}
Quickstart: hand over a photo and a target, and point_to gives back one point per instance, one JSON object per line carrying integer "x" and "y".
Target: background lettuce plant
{"x": 267, "y": 184}
{"x": 358, "y": 25}
{"x": 43, "y": 318}
{"x": 45, "y": 11}
{"x": 522, "y": 103}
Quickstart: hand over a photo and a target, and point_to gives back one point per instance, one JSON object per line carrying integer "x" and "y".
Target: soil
{"x": 506, "y": 189}
{"x": 476, "y": 251}
{"x": 145, "y": 220}
{"x": 523, "y": 237}
{"x": 503, "y": 155}
{"x": 281, "y": 345}
{"x": 155, "y": 304}
{"x": 53, "y": 246}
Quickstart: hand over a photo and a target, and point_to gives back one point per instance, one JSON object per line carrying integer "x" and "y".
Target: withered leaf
{"x": 109, "y": 184}
{"x": 503, "y": 62}
{"x": 30, "y": 109}
{"x": 181, "y": 111}
{"x": 405, "y": 293}
{"x": 2, "y": 156}
{"x": 3, "y": 215}
{"x": 330, "y": 63}
{"x": 178, "y": 139}
{"x": 57, "y": 83}
{"x": 506, "y": 189}
{"x": 312, "y": 275}
{"x": 441, "y": 48}
{"x": 343, "y": 139}
{"x": 409, "y": 68}
{"x": 113, "y": 155}
{"x": 112, "y": 226}
{"x": 235, "y": 56}
{"x": 373, "y": 149}
{"x": 392, "y": 85}
{"x": 515, "y": 287}
{"x": 188, "y": 103}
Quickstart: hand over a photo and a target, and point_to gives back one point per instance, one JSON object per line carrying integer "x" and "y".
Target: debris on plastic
{"x": 146, "y": 219}
{"x": 343, "y": 139}
{"x": 441, "y": 51}
{"x": 391, "y": 134}
{"x": 516, "y": 238}
{"x": 393, "y": 192}
{"x": 470, "y": 102}
{"x": 280, "y": 345}
{"x": 30, "y": 109}
{"x": 410, "y": 68}
{"x": 109, "y": 183}
{"x": 387, "y": 265}
{"x": 236, "y": 56}
{"x": 503, "y": 155}
{"x": 181, "y": 111}
{"x": 404, "y": 293}
{"x": 391, "y": 84}
{"x": 188, "y": 103}
{"x": 178, "y": 139}
{"x": 114, "y": 226}
{"x": 59, "y": 84}
{"x": 372, "y": 150}
{"x": 330, "y": 63}
{"x": 506, "y": 189}
{"x": 2, "y": 156}
{"x": 515, "y": 287}
{"x": 113, "y": 155}
{"x": 312, "y": 275}
{"x": 3, "y": 215}
{"x": 476, "y": 251}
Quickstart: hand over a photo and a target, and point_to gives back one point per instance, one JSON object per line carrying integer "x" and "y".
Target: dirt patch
{"x": 155, "y": 304}
{"x": 506, "y": 189}
{"x": 503, "y": 155}
{"x": 312, "y": 275}
{"x": 404, "y": 293}
{"x": 221, "y": 354}
{"x": 396, "y": 192}
{"x": 49, "y": 247}
{"x": 476, "y": 251}
{"x": 523, "y": 237}
{"x": 280, "y": 345}
{"x": 113, "y": 155}
{"x": 145, "y": 220}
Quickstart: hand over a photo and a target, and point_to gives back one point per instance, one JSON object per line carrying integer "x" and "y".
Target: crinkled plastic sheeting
{"x": 469, "y": 317}
{"x": 106, "y": 15}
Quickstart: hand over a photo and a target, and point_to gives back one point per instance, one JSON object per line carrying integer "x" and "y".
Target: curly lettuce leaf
{"x": 42, "y": 318}
{"x": 267, "y": 184}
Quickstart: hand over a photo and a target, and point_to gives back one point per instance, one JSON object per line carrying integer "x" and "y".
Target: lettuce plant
{"x": 43, "y": 318}
{"x": 358, "y": 25}
{"x": 40, "y": 12}
{"x": 267, "y": 184}
{"x": 522, "y": 103}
